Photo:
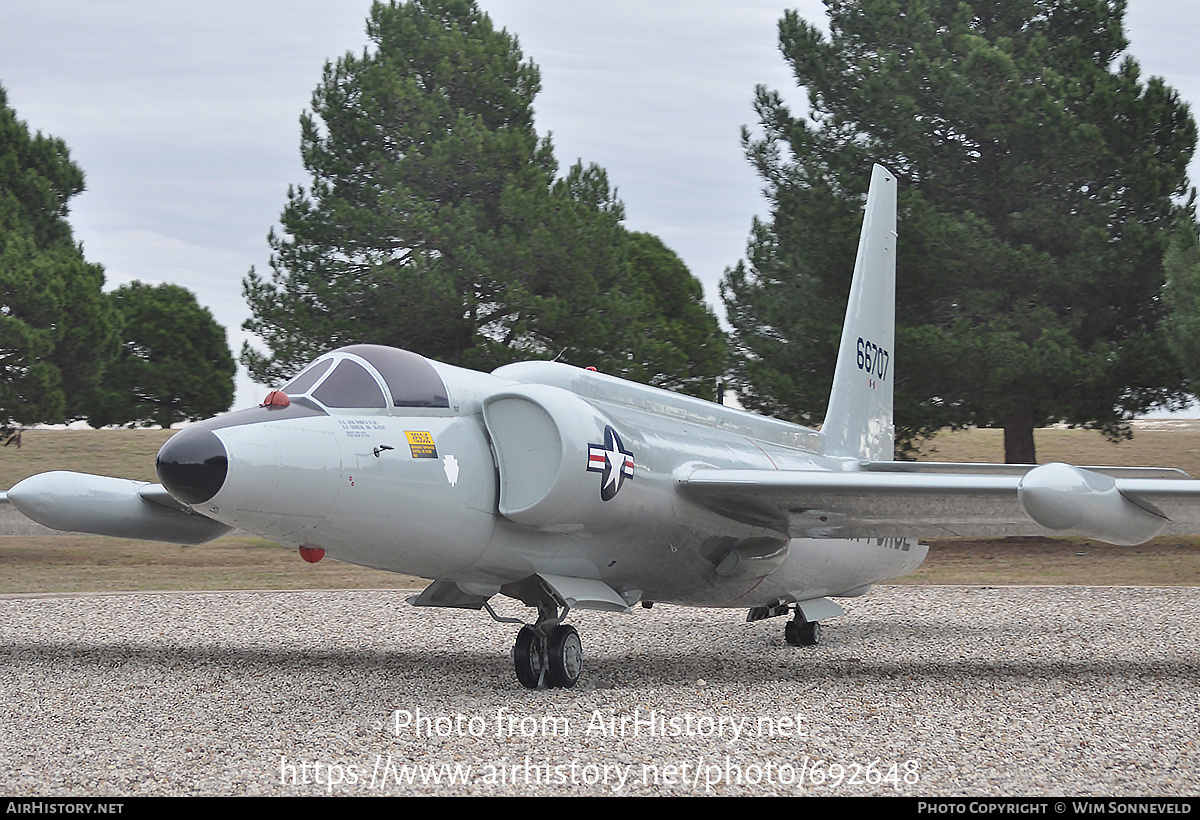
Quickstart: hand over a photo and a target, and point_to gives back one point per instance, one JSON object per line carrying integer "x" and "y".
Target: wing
{"x": 885, "y": 499}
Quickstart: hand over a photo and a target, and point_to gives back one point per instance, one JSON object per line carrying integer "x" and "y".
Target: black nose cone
{"x": 192, "y": 465}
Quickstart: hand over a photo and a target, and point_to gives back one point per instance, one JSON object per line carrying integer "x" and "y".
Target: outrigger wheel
{"x": 554, "y": 660}
{"x": 800, "y": 632}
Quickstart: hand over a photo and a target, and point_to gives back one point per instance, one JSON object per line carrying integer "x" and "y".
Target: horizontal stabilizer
{"x": 1053, "y": 499}
{"x": 119, "y": 507}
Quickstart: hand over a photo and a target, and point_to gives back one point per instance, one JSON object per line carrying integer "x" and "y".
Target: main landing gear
{"x": 549, "y": 654}
{"x": 548, "y": 658}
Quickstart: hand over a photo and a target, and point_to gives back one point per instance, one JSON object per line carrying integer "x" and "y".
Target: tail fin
{"x": 859, "y": 420}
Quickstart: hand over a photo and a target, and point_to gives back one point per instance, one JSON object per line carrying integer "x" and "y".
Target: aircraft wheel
{"x": 565, "y": 657}
{"x": 529, "y": 658}
{"x": 799, "y": 632}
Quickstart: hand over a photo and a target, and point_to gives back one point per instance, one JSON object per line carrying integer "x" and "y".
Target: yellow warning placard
{"x": 421, "y": 444}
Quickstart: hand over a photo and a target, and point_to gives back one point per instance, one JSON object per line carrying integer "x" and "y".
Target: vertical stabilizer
{"x": 859, "y": 420}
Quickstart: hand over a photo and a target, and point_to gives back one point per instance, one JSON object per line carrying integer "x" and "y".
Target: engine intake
{"x": 550, "y": 444}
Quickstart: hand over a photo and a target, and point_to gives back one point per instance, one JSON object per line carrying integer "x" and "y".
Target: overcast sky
{"x": 184, "y": 116}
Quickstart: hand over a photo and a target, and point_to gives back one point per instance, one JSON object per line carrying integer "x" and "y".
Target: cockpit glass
{"x": 411, "y": 378}
{"x": 350, "y": 385}
{"x": 307, "y": 378}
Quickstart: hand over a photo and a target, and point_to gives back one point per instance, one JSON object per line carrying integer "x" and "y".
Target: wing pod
{"x": 1074, "y": 500}
{"x": 78, "y": 502}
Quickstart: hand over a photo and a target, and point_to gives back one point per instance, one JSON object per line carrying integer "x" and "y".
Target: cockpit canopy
{"x": 370, "y": 377}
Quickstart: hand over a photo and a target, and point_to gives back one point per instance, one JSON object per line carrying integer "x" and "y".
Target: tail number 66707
{"x": 872, "y": 358}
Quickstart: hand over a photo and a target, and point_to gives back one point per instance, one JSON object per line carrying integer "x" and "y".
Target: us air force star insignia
{"x": 612, "y": 461}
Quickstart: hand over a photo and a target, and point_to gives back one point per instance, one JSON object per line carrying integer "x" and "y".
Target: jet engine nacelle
{"x": 119, "y": 507}
{"x": 549, "y": 445}
{"x": 1072, "y": 500}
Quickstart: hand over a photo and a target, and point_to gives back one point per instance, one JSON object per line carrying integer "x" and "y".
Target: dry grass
{"x": 1167, "y": 561}
{"x": 120, "y": 453}
{"x": 70, "y": 563}
{"x": 85, "y": 563}
{"x": 81, "y": 563}
{"x": 1173, "y": 443}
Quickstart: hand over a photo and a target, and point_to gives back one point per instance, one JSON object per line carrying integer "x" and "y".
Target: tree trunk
{"x": 1018, "y": 439}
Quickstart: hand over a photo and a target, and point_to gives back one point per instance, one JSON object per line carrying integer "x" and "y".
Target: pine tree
{"x": 435, "y": 220}
{"x": 1040, "y": 177}
{"x": 56, "y": 327}
{"x": 1182, "y": 297}
{"x": 679, "y": 344}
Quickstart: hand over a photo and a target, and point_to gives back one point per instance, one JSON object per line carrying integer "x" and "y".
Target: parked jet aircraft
{"x": 565, "y": 488}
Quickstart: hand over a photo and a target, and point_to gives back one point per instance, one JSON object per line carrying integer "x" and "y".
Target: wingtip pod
{"x": 859, "y": 420}
{"x": 78, "y": 502}
{"x": 1072, "y": 500}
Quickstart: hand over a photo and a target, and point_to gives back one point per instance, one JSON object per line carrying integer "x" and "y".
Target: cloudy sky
{"x": 184, "y": 116}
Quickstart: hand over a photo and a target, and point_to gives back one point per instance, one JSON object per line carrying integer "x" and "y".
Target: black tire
{"x": 564, "y": 657}
{"x": 799, "y": 632}
{"x": 529, "y": 658}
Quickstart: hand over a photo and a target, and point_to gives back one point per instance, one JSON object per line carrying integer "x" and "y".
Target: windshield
{"x": 350, "y": 385}
{"x": 304, "y": 382}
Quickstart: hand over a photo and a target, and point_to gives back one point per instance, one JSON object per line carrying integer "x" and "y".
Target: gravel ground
{"x": 951, "y": 691}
